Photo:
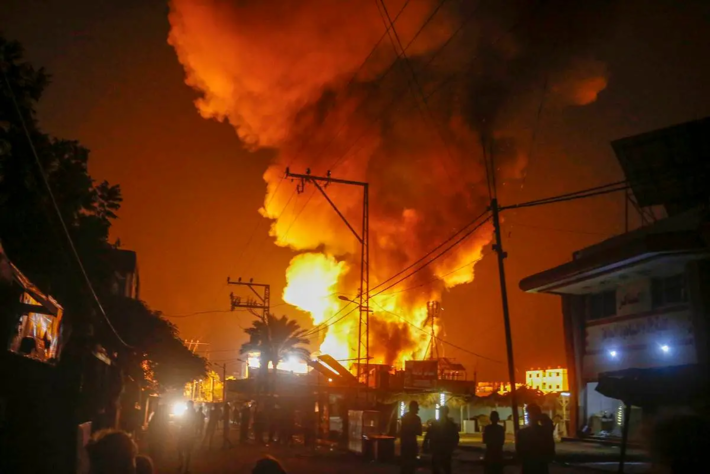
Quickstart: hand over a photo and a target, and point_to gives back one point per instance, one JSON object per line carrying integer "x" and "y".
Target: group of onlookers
{"x": 535, "y": 444}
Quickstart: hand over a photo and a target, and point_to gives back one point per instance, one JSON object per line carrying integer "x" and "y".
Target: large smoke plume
{"x": 298, "y": 76}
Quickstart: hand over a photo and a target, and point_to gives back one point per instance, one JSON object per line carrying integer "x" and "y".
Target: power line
{"x": 417, "y": 84}
{"x": 437, "y": 337}
{"x": 433, "y": 280}
{"x": 305, "y": 141}
{"x": 464, "y": 237}
{"x": 322, "y": 326}
{"x": 425, "y": 256}
{"x": 386, "y": 73}
{"x": 197, "y": 313}
{"x": 569, "y": 197}
{"x": 58, "y": 212}
{"x": 572, "y": 231}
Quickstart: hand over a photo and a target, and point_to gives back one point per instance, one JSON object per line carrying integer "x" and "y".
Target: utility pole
{"x": 498, "y": 247}
{"x": 364, "y": 238}
{"x": 433, "y": 312}
{"x": 251, "y": 303}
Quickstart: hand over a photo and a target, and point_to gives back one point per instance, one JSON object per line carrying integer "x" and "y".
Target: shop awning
{"x": 675, "y": 385}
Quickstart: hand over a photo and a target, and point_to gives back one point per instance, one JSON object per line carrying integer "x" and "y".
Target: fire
{"x": 312, "y": 281}
{"x": 303, "y": 78}
{"x": 312, "y": 284}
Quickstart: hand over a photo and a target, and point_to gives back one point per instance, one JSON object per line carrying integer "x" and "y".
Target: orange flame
{"x": 303, "y": 78}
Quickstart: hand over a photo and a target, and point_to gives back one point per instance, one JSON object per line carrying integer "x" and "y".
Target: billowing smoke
{"x": 302, "y": 77}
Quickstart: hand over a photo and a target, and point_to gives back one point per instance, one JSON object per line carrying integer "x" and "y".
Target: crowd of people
{"x": 535, "y": 444}
{"x": 115, "y": 452}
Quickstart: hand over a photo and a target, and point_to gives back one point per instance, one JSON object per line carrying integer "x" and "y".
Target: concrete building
{"x": 547, "y": 380}
{"x": 635, "y": 307}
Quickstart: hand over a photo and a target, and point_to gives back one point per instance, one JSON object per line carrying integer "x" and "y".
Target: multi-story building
{"x": 547, "y": 380}
{"x": 636, "y": 306}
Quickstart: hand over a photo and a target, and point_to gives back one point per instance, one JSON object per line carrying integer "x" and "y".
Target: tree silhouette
{"x": 34, "y": 239}
{"x": 275, "y": 339}
{"x": 156, "y": 346}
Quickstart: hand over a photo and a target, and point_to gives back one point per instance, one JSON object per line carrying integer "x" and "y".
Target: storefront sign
{"x": 638, "y": 331}
{"x": 633, "y": 298}
{"x": 420, "y": 373}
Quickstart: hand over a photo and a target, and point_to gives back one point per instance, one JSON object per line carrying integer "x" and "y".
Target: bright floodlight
{"x": 179, "y": 408}
{"x": 665, "y": 349}
{"x": 613, "y": 354}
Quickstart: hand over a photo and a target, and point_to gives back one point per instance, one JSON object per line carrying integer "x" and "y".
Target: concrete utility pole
{"x": 250, "y": 303}
{"x": 364, "y": 238}
{"x": 498, "y": 247}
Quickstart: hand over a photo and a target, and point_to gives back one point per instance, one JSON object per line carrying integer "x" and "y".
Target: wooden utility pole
{"x": 498, "y": 247}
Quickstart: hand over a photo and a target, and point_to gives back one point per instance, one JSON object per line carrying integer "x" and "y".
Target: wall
{"x": 637, "y": 333}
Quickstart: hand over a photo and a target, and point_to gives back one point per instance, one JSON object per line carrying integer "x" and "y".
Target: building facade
{"x": 635, "y": 307}
{"x": 547, "y": 380}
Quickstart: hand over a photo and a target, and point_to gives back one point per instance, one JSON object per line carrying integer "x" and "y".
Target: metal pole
{"x": 366, "y": 278}
{"x": 506, "y": 314}
{"x": 624, "y": 437}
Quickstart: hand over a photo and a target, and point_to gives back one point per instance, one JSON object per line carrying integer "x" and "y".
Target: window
{"x": 558, "y": 386}
{"x": 668, "y": 290}
{"x": 602, "y": 305}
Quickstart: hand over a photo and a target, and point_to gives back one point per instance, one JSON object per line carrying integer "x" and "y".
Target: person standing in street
{"x": 409, "y": 448}
{"x": 535, "y": 444}
{"x": 226, "y": 442}
{"x": 442, "y": 438}
{"x": 245, "y": 419}
{"x": 186, "y": 437}
{"x": 158, "y": 433}
{"x": 211, "y": 426}
{"x": 494, "y": 439}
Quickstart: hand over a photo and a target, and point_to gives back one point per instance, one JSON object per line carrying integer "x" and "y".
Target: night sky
{"x": 191, "y": 191}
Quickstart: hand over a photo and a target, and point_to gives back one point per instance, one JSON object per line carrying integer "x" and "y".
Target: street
{"x": 299, "y": 459}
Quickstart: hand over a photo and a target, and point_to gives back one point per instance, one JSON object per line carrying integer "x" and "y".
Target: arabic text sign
{"x": 638, "y": 331}
{"x": 634, "y": 297}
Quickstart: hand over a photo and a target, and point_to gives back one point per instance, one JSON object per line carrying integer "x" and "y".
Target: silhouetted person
{"x": 211, "y": 426}
{"x": 226, "y": 417}
{"x": 259, "y": 425}
{"x": 245, "y": 419}
{"x": 679, "y": 444}
{"x": 442, "y": 438}
{"x": 535, "y": 444}
{"x": 186, "y": 437}
{"x": 111, "y": 452}
{"x": 268, "y": 465}
{"x": 158, "y": 432}
{"x": 494, "y": 439}
{"x": 144, "y": 465}
{"x": 409, "y": 448}
{"x": 200, "y": 420}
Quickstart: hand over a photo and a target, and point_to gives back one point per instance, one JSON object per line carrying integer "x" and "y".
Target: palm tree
{"x": 275, "y": 339}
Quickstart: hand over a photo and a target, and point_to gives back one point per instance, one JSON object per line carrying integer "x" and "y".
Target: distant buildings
{"x": 548, "y": 380}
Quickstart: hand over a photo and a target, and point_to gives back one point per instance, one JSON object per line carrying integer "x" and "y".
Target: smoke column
{"x": 300, "y": 77}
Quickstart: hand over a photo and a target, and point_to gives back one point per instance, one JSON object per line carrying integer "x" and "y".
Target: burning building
{"x": 401, "y": 95}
